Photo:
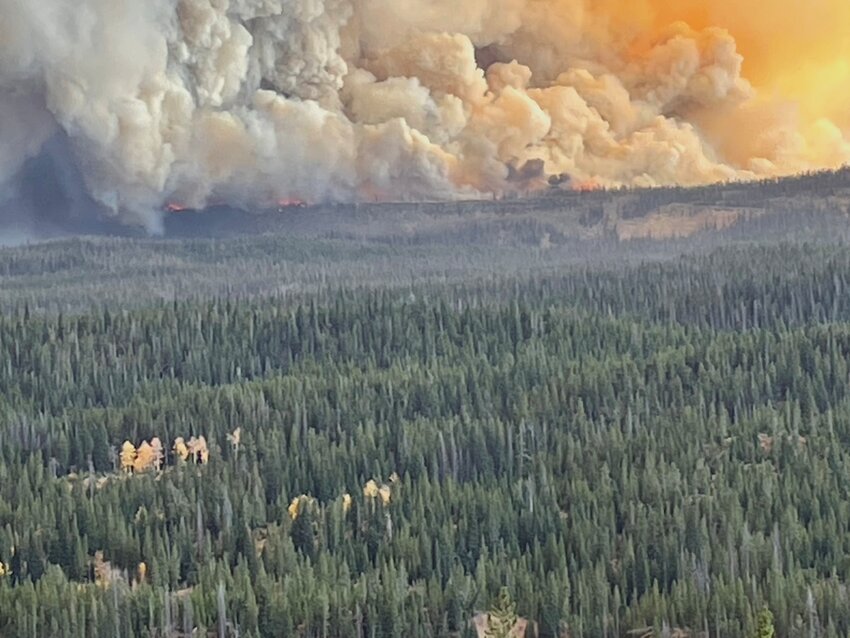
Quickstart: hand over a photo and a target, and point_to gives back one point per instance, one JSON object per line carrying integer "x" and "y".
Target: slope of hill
{"x": 661, "y": 212}
{"x": 654, "y": 450}
{"x": 627, "y": 414}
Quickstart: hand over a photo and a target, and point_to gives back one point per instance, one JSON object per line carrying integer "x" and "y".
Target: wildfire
{"x": 173, "y": 207}
{"x": 587, "y": 186}
{"x": 291, "y": 203}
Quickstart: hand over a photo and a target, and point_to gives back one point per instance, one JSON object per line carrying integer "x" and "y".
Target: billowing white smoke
{"x": 252, "y": 101}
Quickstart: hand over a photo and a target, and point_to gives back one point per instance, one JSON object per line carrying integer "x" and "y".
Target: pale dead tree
{"x": 226, "y": 511}
{"x": 114, "y": 458}
{"x": 91, "y": 482}
{"x": 812, "y": 612}
{"x": 199, "y": 527}
{"x": 222, "y": 611}
{"x": 188, "y": 616}
{"x": 158, "y": 453}
{"x": 192, "y": 446}
{"x": 203, "y": 450}
{"x": 166, "y": 612}
{"x": 444, "y": 457}
{"x": 116, "y": 624}
{"x": 198, "y": 450}
{"x": 235, "y": 439}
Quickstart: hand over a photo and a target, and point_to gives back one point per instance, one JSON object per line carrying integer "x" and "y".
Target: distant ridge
{"x": 564, "y": 213}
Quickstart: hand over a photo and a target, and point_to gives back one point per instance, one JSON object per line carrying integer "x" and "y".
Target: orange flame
{"x": 587, "y": 186}
{"x": 291, "y": 203}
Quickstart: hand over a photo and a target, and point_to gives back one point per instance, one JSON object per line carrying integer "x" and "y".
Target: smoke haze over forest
{"x": 113, "y": 108}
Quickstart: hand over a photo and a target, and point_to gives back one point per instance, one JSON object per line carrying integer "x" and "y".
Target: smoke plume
{"x": 254, "y": 101}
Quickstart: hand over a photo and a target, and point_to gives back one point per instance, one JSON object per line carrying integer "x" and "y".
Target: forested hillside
{"x": 629, "y": 451}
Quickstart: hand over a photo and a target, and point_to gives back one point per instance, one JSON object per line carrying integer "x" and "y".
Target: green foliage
{"x": 765, "y": 627}
{"x": 654, "y": 446}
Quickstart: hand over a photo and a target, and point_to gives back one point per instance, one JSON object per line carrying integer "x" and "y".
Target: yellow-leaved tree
{"x": 371, "y": 489}
{"x": 502, "y": 619}
{"x": 102, "y": 570}
{"x": 128, "y": 456}
{"x": 144, "y": 457}
{"x": 294, "y": 506}
{"x": 181, "y": 449}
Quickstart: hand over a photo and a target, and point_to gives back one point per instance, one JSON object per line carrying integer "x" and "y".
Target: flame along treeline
{"x": 256, "y": 101}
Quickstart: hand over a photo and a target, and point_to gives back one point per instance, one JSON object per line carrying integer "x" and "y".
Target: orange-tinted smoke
{"x": 794, "y": 50}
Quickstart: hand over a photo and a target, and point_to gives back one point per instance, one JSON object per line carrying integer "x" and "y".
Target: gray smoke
{"x": 253, "y": 101}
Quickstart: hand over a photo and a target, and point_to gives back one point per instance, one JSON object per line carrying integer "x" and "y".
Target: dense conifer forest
{"x": 656, "y": 449}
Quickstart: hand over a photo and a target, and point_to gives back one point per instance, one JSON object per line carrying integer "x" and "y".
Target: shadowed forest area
{"x": 379, "y": 436}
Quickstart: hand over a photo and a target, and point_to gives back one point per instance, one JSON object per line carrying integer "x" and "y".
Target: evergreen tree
{"x": 764, "y": 627}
